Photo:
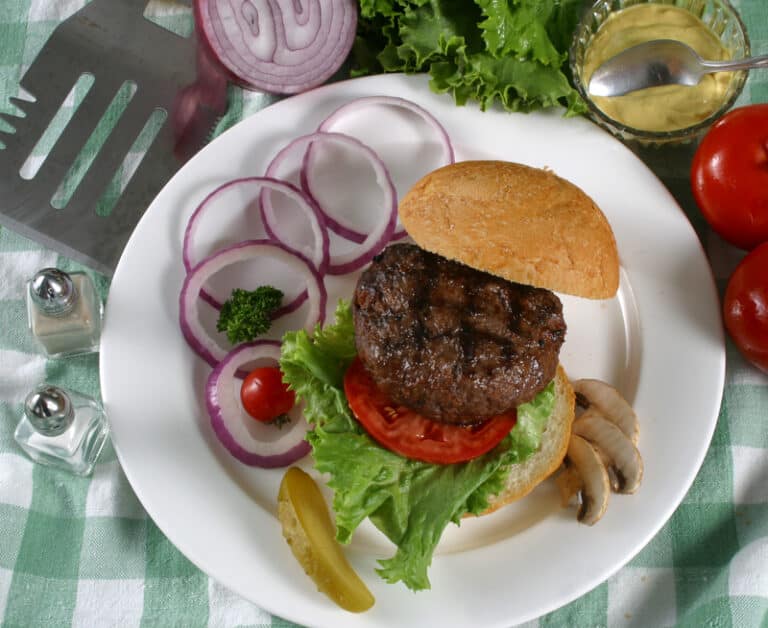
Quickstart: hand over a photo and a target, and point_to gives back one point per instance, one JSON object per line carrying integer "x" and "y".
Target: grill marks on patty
{"x": 453, "y": 343}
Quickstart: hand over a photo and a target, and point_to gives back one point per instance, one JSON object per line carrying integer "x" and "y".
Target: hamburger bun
{"x": 527, "y": 475}
{"x": 521, "y": 223}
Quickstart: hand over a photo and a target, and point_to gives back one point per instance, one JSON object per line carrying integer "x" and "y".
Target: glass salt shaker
{"x": 62, "y": 428}
{"x": 64, "y": 312}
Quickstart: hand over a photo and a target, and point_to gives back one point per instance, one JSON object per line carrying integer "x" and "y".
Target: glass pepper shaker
{"x": 64, "y": 312}
{"x": 62, "y": 428}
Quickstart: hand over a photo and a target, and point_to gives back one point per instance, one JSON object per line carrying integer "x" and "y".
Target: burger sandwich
{"x": 438, "y": 392}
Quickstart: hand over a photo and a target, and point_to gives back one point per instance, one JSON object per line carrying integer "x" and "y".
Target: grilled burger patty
{"x": 452, "y": 343}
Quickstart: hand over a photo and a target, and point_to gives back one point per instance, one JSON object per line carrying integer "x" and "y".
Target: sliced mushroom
{"x": 609, "y": 402}
{"x": 569, "y": 484}
{"x": 592, "y": 412}
{"x": 621, "y": 457}
{"x": 595, "y": 488}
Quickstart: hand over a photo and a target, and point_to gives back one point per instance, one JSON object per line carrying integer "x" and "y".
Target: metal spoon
{"x": 659, "y": 62}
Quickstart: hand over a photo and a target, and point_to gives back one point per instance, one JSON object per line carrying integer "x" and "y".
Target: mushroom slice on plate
{"x": 569, "y": 483}
{"x": 595, "y": 488}
{"x": 609, "y": 402}
{"x": 623, "y": 460}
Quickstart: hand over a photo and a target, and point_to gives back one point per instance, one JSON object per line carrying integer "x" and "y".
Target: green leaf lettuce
{"x": 510, "y": 51}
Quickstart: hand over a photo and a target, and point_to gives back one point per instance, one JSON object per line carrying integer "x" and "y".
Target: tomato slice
{"x": 410, "y": 434}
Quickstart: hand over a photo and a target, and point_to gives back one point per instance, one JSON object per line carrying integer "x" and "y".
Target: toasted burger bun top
{"x": 524, "y": 224}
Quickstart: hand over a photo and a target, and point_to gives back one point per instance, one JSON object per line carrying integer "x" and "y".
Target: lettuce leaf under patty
{"x": 411, "y": 502}
{"x": 513, "y": 51}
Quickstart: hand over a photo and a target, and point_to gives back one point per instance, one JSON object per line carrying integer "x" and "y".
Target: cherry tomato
{"x": 415, "y": 436}
{"x": 729, "y": 176}
{"x": 264, "y": 394}
{"x": 745, "y": 307}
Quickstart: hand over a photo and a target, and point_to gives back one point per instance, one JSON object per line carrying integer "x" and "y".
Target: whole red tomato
{"x": 264, "y": 394}
{"x": 729, "y": 176}
{"x": 745, "y": 309}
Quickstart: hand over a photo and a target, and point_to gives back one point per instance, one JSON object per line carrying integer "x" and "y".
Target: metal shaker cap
{"x": 53, "y": 291}
{"x": 49, "y": 410}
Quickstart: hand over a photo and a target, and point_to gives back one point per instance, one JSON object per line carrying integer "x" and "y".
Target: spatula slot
{"x": 93, "y": 145}
{"x": 61, "y": 119}
{"x": 131, "y": 162}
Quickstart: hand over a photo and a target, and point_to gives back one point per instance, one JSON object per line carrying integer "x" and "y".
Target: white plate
{"x": 660, "y": 341}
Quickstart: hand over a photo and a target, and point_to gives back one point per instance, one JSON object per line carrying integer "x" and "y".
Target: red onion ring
{"x": 194, "y": 333}
{"x": 448, "y": 155}
{"x": 326, "y": 125}
{"x": 379, "y": 236}
{"x": 334, "y": 224}
{"x": 318, "y": 255}
{"x": 279, "y": 46}
{"x": 251, "y": 442}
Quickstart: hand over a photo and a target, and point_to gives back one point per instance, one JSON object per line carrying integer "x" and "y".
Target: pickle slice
{"x": 308, "y": 528}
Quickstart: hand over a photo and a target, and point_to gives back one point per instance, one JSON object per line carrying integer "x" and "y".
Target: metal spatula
{"x": 112, "y": 41}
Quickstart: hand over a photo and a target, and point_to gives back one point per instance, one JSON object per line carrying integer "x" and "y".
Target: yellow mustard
{"x": 668, "y": 107}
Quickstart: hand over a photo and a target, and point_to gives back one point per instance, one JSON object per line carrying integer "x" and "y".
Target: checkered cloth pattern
{"x": 83, "y": 552}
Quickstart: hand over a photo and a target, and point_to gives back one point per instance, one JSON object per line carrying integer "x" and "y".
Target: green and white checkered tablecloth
{"x": 82, "y": 552}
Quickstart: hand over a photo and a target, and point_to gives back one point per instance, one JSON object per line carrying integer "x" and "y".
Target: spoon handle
{"x": 737, "y": 64}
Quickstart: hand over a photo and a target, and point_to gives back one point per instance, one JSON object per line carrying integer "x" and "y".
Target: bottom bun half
{"x": 524, "y": 477}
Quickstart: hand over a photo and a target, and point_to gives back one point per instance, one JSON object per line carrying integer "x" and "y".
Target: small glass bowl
{"x": 718, "y": 15}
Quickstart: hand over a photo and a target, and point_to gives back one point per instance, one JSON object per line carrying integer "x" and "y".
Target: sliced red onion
{"x": 372, "y": 242}
{"x": 194, "y": 333}
{"x": 334, "y": 224}
{"x": 250, "y": 441}
{"x": 318, "y": 254}
{"x": 280, "y": 46}
{"x": 447, "y": 157}
{"x": 327, "y": 125}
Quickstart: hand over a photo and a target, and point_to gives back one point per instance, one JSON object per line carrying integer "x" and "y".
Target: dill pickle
{"x": 308, "y": 528}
